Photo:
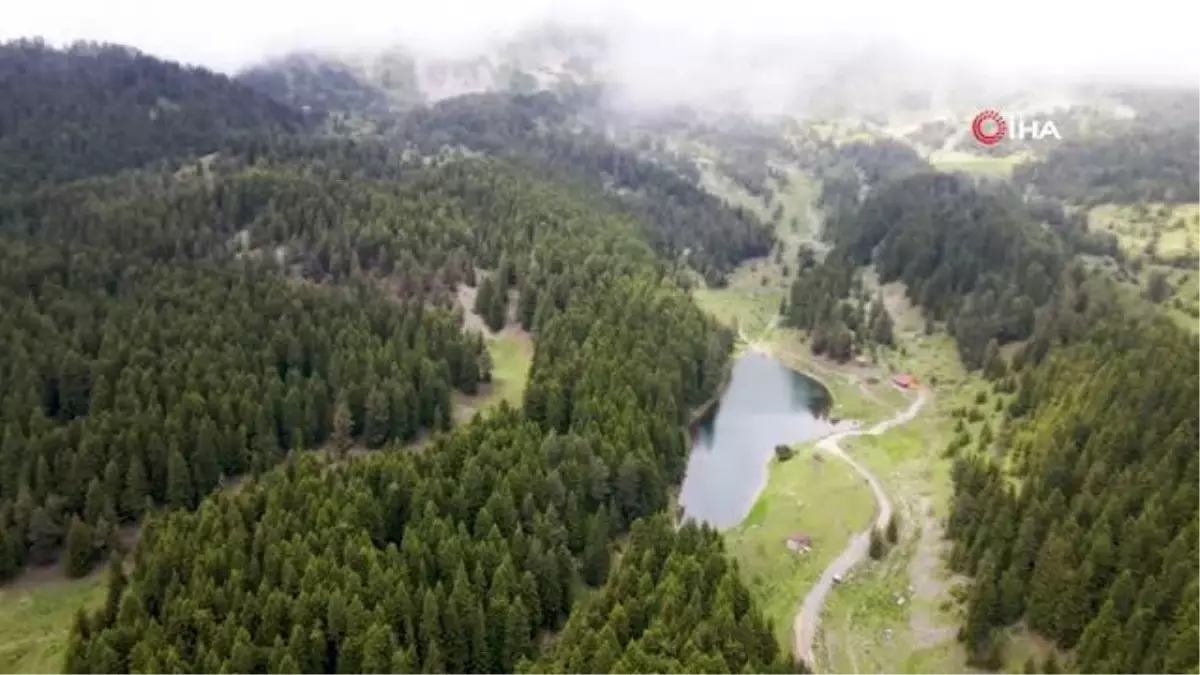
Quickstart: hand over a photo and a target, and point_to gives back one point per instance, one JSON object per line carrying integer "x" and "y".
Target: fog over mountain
{"x": 751, "y": 54}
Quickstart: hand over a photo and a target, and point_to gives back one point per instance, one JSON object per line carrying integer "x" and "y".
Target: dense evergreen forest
{"x": 827, "y": 298}
{"x": 1095, "y": 546}
{"x": 54, "y": 101}
{"x": 459, "y": 556}
{"x": 970, "y": 256}
{"x": 545, "y": 132}
{"x": 189, "y": 326}
{"x": 537, "y": 129}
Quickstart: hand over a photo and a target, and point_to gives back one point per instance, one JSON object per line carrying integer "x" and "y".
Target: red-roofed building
{"x": 905, "y": 381}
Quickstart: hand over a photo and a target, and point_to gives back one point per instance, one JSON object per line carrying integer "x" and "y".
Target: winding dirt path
{"x": 808, "y": 619}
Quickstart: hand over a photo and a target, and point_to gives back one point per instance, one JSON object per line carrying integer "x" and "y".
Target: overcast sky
{"x": 1147, "y": 37}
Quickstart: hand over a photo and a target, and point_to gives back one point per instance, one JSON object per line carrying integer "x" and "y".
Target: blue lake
{"x": 765, "y": 404}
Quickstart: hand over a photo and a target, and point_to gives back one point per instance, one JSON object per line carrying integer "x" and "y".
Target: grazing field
{"x": 756, "y": 289}
{"x": 512, "y": 354}
{"x": 796, "y": 195}
{"x": 36, "y": 619}
{"x": 901, "y": 613}
{"x": 751, "y": 312}
{"x": 844, "y": 130}
{"x": 891, "y": 615}
{"x": 722, "y": 186}
{"x": 1179, "y": 296}
{"x": 1155, "y": 230}
{"x": 954, "y": 161}
{"x": 1184, "y": 304}
{"x": 811, "y": 495}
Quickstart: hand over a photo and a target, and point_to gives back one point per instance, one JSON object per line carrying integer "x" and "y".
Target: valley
{"x": 398, "y": 363}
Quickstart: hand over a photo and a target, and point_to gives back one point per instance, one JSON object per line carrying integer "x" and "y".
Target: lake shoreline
{"x": 729, "y": 463}
{"x": 840, "y": 427}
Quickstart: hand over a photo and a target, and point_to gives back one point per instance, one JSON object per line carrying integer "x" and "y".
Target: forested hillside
{"x": 95, "y": 108}
{"x": 186, "y": 327}
{"x": 545, "y": 132}
{"x": 1096, "y": 545}
{"x": 683, "y": 219}
{"x": 649, "y": 617}
{"x": 1077, "y": 518}
{"x": 1151, "y": 160}
{"x": 971, "y": 257}
{"x": 457, "y": 557}
{"x": 849, "y": 171}
{"x": 322, "y": 84}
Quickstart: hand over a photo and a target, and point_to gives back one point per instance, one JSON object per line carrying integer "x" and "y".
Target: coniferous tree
{"x": 893, "y": 528}
{"x": 485, "y": 302}
{"x": 180, "y": 493}
{"x": 79, "y": 548}
{"x": 877, "y": 547}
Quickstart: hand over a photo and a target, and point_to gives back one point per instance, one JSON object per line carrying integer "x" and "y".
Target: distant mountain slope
{"x": 310, "y": 80}
{"x": 682, "y": 219}
{"x": 95, "y": 108}
{"x": 398, "y": 78}
{"x": 1140, "y": 162}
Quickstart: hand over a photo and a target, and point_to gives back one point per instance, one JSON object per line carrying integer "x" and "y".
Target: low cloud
{"x": 669, "y": 51}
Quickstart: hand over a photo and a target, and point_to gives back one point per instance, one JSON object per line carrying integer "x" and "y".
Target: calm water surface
{"x": 765, "y": 404}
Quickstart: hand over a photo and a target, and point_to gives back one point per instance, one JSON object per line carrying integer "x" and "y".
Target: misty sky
{"x": 1149, "y": 37}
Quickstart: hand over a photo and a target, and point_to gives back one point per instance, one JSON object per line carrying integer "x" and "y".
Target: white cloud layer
{"x": 1151, "y": 40}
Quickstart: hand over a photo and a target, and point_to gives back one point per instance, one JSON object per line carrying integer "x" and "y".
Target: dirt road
{"x": 808, "y": 619}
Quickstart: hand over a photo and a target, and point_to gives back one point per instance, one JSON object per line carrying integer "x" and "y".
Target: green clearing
{"x": 35, "y": 620}
{"x": 751, "y": 312}
{"x": 1176, "y": 226}
{"x": 954, "y": 161}
{"x": 810, "y": 494}
{"x": 797, "y": 195}
{"x": 844, "y": 130}
{"x": 755, "y": 290}
{"x": 722, "y": 186}
{"x": 888, "y": 615}
{"x": 1156, "y": 233}
{"x": 512, "y": 355}
{"x": 1184, "y": 304}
